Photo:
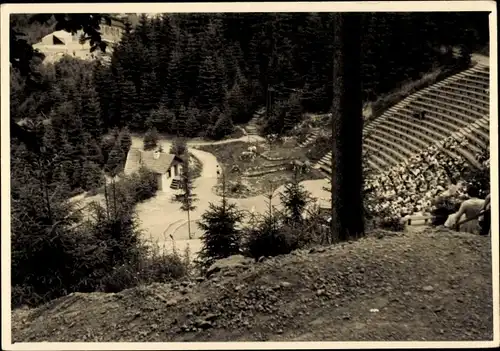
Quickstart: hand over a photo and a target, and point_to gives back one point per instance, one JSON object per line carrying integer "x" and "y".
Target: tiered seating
{"x": 457, "y": 106}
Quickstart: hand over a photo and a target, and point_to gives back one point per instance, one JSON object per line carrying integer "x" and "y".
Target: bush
{"x": 158, "y": 268}
{"x": 151, "y": 139}
{"x": 142, "y": 186}
{"x": 269, "y": 238}
{"x": 319, "y": 148}
{"x": 221, "y": 236}
{"x": 179, "y": 147}
{"x": 442, "y": 208}
{"x": 392, "y": 223}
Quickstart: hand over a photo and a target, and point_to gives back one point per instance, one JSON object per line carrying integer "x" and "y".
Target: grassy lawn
{"x": 240, "y": 186}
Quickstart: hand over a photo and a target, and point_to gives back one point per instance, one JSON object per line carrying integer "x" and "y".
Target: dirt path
{"x": 429, "y": 286}
{"x": 157, "y": 214}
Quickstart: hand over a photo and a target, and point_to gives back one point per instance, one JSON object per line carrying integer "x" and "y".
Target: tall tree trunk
{"x": 106, "y": 199}
{"x": 347, "y": 127}
{"x": 189, "y": 225}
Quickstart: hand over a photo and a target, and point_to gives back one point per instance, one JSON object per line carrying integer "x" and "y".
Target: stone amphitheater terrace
{"x": 457, "y": 106}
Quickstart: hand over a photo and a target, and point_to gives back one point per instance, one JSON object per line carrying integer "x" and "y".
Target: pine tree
{"x": 91, "y": 114}
{"x": 174, "y": 79}
{"x": 192, "y": 123}
{"x": 179, "y": 147}
{"x": 92, "y": 176}
{"x": 151, "y": 139}
{"x": 221, "y": 236}
{"x": 128, "y": 105}
{"x": 188, "y": 196}
{"x": 295, "y": 199}
{"x": 224, "y": 126}
{"x": 125, "y": 140}
{"x": 115, "y": 160}
{"x": 293, "y": 114}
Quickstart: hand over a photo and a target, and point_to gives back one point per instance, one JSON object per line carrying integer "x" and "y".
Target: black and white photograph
{"x": 245, "y": 173}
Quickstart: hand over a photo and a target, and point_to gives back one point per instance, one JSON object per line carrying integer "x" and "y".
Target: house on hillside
{"x": 167, "y": 167}
{"x": 60, "y": 43}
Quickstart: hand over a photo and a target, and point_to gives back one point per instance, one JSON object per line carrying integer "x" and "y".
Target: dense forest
{"x": 198, "y": 74}
{"x": 189, "y": 75}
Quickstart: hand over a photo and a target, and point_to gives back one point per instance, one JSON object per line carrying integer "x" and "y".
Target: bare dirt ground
{"x": 430, "y": 285}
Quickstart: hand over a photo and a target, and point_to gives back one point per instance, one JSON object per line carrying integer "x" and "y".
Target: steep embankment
{"x": 415, "y": 286}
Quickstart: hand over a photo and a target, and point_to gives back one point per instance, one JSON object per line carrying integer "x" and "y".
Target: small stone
{"x": 460, "y": 300}
{"x": 280, "y": 331}
{"x": 211, "y": 317}
{"x": 320, "y": 292}
{"x": 199, "y": 279}
{"x": 317, "y": 249}
{"x": 438, "y": 309}
{"x": 285, "y": 284}
{"x": 171, "y": 303}
{"x": 428, "y": 288}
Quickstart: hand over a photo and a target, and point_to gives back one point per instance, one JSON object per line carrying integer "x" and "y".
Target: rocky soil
{"x": 432, "y": 285}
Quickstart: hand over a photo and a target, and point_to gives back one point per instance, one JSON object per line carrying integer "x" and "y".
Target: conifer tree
{"x": 151, "y": 139}
{"x": 179, "y": 147}
{"x": 224, "y": 126}
{"x": 295, "y": 199}
{"x": 192, "y": 123}
{"x": 188, "y": 197}
{"x": 221, "y": 236}
{"x": 125, "y": 140}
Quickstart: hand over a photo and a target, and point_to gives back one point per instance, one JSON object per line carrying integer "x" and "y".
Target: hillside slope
{"x": 432, "y": 285}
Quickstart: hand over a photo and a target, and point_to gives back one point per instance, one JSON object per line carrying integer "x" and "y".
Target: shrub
{"x": 269, "y": 238}
{"x": 151, "y": 139}
{"x": 155, "y": 268}
{"x": 302, "y": 133}
{"x": 143, "y": 185}
{"x": 221, "y": 236}
{"x": 442, "y": 208}
{"x": 179, "y": 147}
{"x": 319, "y": 148}
{"x": 391, "y": 223}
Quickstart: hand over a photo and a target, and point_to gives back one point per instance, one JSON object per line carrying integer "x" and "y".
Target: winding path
{"x": 161, "y": 219}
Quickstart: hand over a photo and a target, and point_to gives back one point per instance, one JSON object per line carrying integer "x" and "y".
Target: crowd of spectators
{"x": 411, "y": 187}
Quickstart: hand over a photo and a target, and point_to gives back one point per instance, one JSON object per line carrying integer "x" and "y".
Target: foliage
{"x": 267, "y": 238}
{"x": 205, "y": 66}
{"x": 444, "y": 206}
{"x": 151, "y": 139}
{"x": 319, "y": 147}
{"x": 179, "y": 147}
{"x": 294, "y": 199}
{"x": 394, "y": 224}
{"x": 221, "y": 237}
{"x": 144, "y": 185}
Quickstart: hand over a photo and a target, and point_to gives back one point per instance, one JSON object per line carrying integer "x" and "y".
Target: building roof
{"x": 137, "y": 158}
{"x": 62, "y": 35}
